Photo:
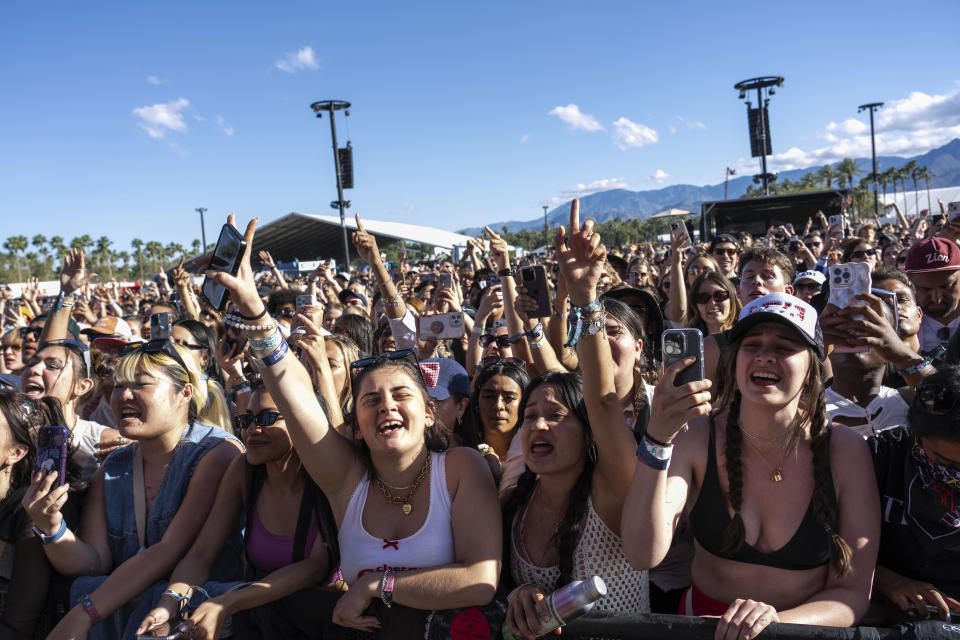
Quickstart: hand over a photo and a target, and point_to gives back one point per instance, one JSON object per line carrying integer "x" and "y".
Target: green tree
{"x": 137, "y": 245}
{"x": 828, "y": 175}
{"x": 924, "y": 173}
{"x": 56, "y": 244}
{"x": 155, "y": 254}
{"x": 16, "y": 245}
{"x": 103, "y": 253}
{"x": 848, "y": 170}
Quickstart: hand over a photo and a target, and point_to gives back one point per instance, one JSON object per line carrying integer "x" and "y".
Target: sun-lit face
{"x": 391, "y": 411}
{"x": 50, "y": 372}
{"x": 338, "y": 367}
{"x": 908, "y": 313}
{"x": 716, "y": 309}
{"x": 727, "y": 256}
{"x": 773, "y": 364}
{"x": 864, "y": 252}
{"x": 696, "y": 267}
{"x": 149, "y": 406}
{"x": 265, "y": 444}
{"x": 499, "y": 403}
{"x": 553, "y": 438}
{"x": 625, "y": 349}
{"x": 758, "y": 279}
{"x": 938, "y": 293}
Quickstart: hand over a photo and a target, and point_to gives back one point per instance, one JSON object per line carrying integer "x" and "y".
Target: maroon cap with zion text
{"x": 933, "y": 254}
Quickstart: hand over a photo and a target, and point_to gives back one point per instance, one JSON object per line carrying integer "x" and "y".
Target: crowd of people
{"x": 353, "y": 452}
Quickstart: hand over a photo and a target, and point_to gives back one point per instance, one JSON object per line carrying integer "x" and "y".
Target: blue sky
{"x": 120, "y": 118}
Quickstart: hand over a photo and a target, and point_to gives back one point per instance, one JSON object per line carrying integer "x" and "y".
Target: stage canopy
{"x": 307, "y": 236}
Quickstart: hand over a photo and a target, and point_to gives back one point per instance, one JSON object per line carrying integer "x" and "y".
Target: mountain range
{"x": 943, "y": 162}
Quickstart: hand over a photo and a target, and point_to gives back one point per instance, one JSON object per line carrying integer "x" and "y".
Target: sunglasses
{"x": 74, "y": 345}
{"x": 26, "y": 331}
{"x": 488, "y": 339}
{"x": 936, "y": 399}
{"x": 492, "y": 361}
{"x": 286, "y": 313}
{"x": 807, "y": 286}
{"x": 155, "y": 346}
{"x": 265, "y": 418}
{"x": 359, "y": 365}
{"x": 13, "y": 347}
{"x": 716, "y": 296}
{"x": 725, "y": 252}
{"x": 863, "y": 254}
{"x": 814, "y": 243}
{"x": 192, "y": 347}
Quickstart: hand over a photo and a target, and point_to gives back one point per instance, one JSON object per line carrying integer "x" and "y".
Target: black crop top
{"x": 809, "y": 547}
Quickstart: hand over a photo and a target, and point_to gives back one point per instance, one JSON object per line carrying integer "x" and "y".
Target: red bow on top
{"x": 430, "y": 372}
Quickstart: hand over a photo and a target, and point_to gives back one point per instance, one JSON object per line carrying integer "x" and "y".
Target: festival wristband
{"x": 179, "y": 597}
{"x": 271, "y": 342}
{"x": 90, "y": 609}
{"x": 654, "y": 456}
{"x": 386, "y": 587}
{"x": 274, "y": 357}
{"x": 45, "y": 539}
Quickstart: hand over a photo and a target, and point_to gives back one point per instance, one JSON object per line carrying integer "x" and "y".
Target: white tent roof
{"x": 910, "y": 199}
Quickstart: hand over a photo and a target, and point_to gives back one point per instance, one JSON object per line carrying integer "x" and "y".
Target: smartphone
{"x": 890, "y": 299}
{"x": 160, "y": 326}
{"x": 493, "y": 281}
{"x": 443, "y": 326}
{"x": 794, "y": 243}
{"x": 836, "y": 221}
{"x": 427, "y": 277}
{"x": 678, "y": 344}
{"x": 848, "y": 280}
{"x": 445, "y": 280}
{"x": 52, "y": 451}
{"x": 632, "y": 278}
{"x": 678, "y": 232}
{"x": 306, "y": 301}
{"x": 534, "y": 280}
{"x": 178, "y": 632}
{"x": 226, "y": 257}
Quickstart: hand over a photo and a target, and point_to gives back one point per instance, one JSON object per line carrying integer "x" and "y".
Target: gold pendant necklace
{"x": 777, "y": 475}
{"x": 404, "y": 501}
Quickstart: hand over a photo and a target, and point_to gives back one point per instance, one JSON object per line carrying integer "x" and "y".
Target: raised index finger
{"x": 575, "y": 216}
{"x": 493, "y": 234}
{"x": 359, "y": 224}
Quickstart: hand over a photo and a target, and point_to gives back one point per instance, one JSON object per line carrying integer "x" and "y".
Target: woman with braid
{"x": 784, "y": 515}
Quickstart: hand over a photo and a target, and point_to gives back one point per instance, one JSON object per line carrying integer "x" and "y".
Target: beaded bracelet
{"x": 577, "y": 314}
{"x": 231, "y": 321}
{"x": 179, "y": 597}
{"x": 274, "y": 357}
{"x": 271, "y": 342}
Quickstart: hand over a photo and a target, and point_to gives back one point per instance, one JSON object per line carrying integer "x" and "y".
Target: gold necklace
{"x": 756, "y": 437}
{"x": 404, "y": 501}
{"x": 777, "y": 474}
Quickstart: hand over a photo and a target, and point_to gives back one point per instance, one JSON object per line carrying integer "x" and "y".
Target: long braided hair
{"x": 812, "y": 410}
{"x": 569, "y": 387}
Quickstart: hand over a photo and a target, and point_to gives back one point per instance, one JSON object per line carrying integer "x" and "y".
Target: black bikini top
{"x": 807, "y": 549}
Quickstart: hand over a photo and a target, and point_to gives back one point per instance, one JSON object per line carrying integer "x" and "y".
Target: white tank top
{"x": 886, "y": 411}
{"x": 430, "y": 546}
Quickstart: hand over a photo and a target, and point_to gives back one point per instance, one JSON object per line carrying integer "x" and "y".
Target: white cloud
{"x": 630, "y": 135}
{"x": 585, "y": 189}
{"x": 524, "y": 138}
{"x": 905, "y": 127}
{"x": 659, "y": 176}
{"x": 158, "y": 119}
{"x": 155, "y": 80}
{"x": 572, "y": 115}
{"x": 692, "y": 124}
{"x": 227, "y": 129}
{"x": 298, "y": 61}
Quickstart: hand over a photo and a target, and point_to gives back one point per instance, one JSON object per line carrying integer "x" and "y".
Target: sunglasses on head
{"x": 495, "y": 360}
{"x": 265, "y": 418}
{"x": 936, "y": 399}
{"x": 716, "y": 296}
{"x": 155, "y": 346}
{"x": 359, "y": 365}
{"x": 863, "y": 254}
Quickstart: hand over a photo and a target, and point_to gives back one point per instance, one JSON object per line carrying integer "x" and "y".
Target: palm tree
{"x": 125, "y": 257}
{"x": 902, "y": 175}
{"x": 103, "y": 253}
{"x": 155, "y": 253}
{"x": 848, "y": 170}
{"x": 924, "y": 173}
{"x": 196, "y": 246}
{"x": 16, "y": 245}
{"x": 808, "y": 182}
{"x": 56, "y": 243}
{"x": 828, "y": 175}
{"x": 910, "y": 169}
{"x": 137, "y": 245}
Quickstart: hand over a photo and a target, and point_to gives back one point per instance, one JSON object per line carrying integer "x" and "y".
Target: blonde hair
{"x": 207, "y": 404}
{"x": 351, "y": 353}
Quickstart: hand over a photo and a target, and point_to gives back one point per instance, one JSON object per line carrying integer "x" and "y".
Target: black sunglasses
{"x": 359, "y": 365}
{"x": 725, "y": 252}
{"x": 716, "y": 296}
{"x": 155, "y": 346}
{"x": 488, "y": 339}
{"x": 863, "y": 254}
{"x": 192, "y": 347}
{"x": 26, "y": 331}
{"x": 936, "y": 399}
{"x": 286, "y": 313}
{"x": 265, "y": 418}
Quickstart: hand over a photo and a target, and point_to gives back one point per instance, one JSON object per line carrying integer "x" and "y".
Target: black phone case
{"x": 534, "y": 279}
{"x": 693, "y": 346}
{"x": 219, "y": 295}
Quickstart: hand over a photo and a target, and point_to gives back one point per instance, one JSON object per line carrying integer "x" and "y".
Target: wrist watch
{"x": 506, "y": 272}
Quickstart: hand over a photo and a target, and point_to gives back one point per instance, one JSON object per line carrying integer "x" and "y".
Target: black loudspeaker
{"x": 345, "y": 157}
{"x": 759, "y": 136}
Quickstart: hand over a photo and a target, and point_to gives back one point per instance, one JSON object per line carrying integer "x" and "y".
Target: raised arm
{"x": 581, "y": 259}
{"x": 500, "y": 256}
{"x": 267, "y": 260}
{"x": 676, "y": 310}
{"x": 367, "y": 247}
{"x": 330, "y": 459}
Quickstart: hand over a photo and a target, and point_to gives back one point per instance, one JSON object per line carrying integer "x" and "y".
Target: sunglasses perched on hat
{"x": 429, "y": 371}
{"x": 155, "y": 346}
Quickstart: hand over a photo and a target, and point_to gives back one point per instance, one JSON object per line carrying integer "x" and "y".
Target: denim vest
{"x": 197, "y": 440}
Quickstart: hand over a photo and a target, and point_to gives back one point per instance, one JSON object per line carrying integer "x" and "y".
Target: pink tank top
{"x": 269, "y": 552}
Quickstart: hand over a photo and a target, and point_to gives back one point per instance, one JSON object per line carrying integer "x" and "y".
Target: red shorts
{"x": 697, "y": 603}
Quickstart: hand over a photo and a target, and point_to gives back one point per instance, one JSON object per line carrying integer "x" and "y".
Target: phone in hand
{"x": 837, "y": 221}
{"x": 679, "y": 344}
{"x": 226, "y": 257}
{"x": 442, "y": 326}
{"x": 428, "y": 277}
{"x": 679, "y": 233}
{"x": 794, "y": 244}
{"x": 177, "y": 633}
{"x": 306, "y": 301}
{"x": 847, "y": 281}
{"x": 160, "y": 326}
{"x": 445, "y": 280}
{"x": 52, "y": 451}
{"x": 890, "y": 299}
{"x": 534, "y": 280}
